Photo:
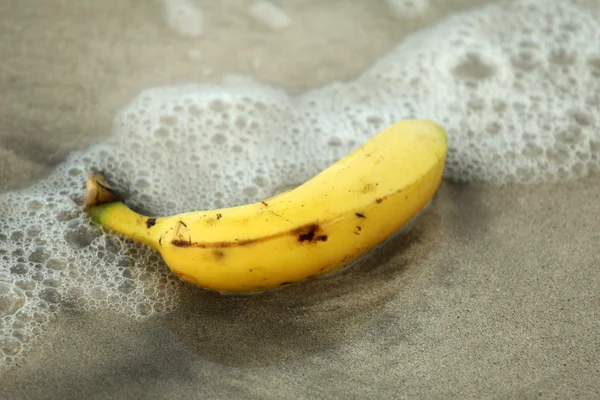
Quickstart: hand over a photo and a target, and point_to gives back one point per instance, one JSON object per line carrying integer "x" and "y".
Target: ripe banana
{"x": 312, "y": 230}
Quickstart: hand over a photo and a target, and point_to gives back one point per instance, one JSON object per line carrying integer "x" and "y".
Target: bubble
{"x": 334, "y": 142}
{"x": 26, "y": 285}
{"x": 473, "y": 67}
{"x": 571, "y": 135}
{"x": 127, "y": 287}
{"x": 250, "y": 191}
{"x": 562, "y": 57}
{"x": 144, "y": 309}
{"x": 158, "y": 307}
{"x": 16, "y": 235}
{"x": 51, "y": 282}
{"x": 219, "y": 138}
{"x": 11, "y": 299}
{"x": 582, "y": 118}
{"x": 19, "y": 269}
{"x": 33, "y": 231}
{"x": 63, "y": 215}
{"x": 260, "y": 181}
{"x": 40, "y": 318}
{"x": 39, "y": 255}
{"x": 34, "y": 205}
{"x": 56, "y": 264}
{"x": 10, "y": 346}
{"x": 98, "y": 293}
{"x": 50, "y": 295}
{"x": 75, "y": 293}
{"x": 80, "y": 236}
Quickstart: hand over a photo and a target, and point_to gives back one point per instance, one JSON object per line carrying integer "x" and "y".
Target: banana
{"x": 306, "y": 232}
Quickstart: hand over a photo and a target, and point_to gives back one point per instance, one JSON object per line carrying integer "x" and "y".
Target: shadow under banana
{"x": 310, "y": 317}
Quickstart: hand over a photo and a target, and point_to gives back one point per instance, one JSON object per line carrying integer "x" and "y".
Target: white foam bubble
{"x": 519, "y": 99}
{"x": 184, "y": 17}
{"x": 269, "y": 15}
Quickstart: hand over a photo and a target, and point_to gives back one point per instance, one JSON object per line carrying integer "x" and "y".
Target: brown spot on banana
{"x": 219, "y": 254}
{"x": 181, "y": 243}
{"x": 369, "y": 187}
{"x": 311, "y": 234}
{"x": 381, "y": 199}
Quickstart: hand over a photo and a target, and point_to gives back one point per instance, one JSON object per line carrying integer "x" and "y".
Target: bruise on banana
{"x": 219, "y": 254}
{"x": 369, "y": 187}
{"x": 311, "y": 234}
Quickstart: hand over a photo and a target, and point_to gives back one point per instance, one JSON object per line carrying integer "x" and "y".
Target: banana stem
{"x": 118, "y": 217}
{"x": 105, "y": 208}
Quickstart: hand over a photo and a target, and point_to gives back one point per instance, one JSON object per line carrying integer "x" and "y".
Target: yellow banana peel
{"x": 309, "y": 231}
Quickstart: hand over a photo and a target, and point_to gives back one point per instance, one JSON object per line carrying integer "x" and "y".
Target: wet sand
{"x": 493, "y": 294}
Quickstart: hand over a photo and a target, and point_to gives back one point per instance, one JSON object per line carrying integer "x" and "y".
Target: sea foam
{"x": 517, "y": 86}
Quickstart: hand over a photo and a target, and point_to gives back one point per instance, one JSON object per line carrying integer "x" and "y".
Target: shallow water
{"x": 493, "y": 292}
